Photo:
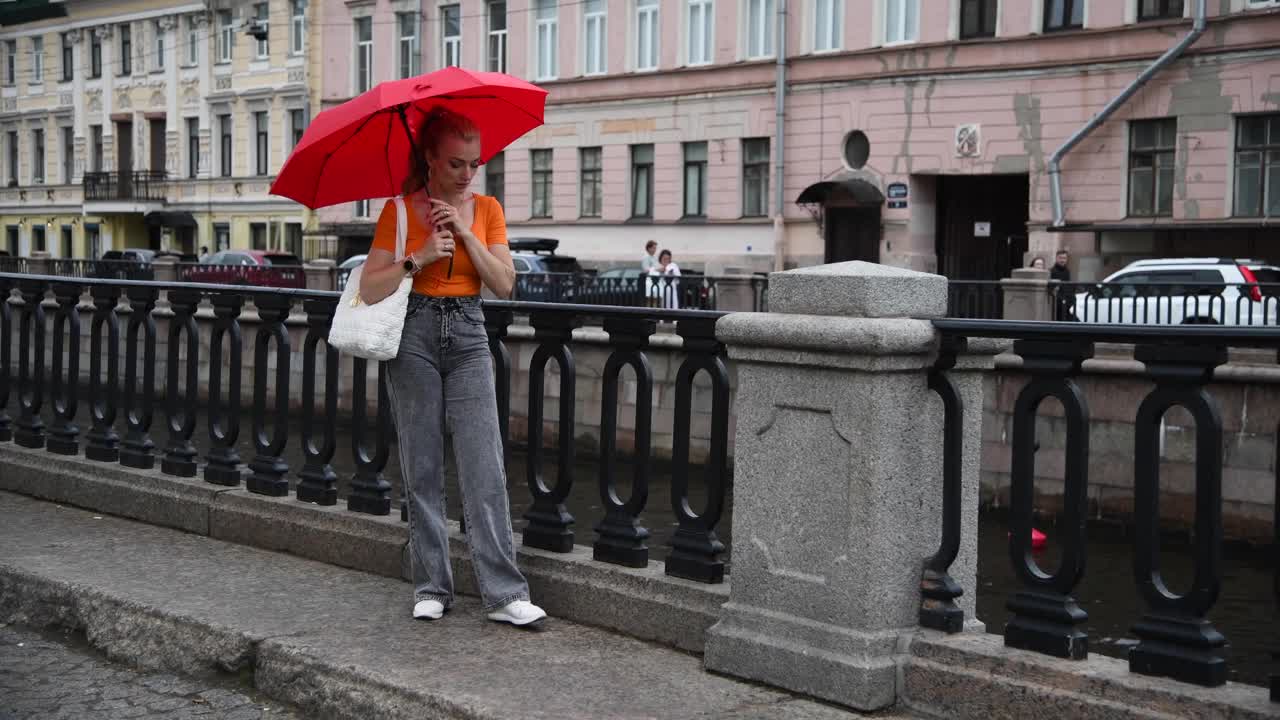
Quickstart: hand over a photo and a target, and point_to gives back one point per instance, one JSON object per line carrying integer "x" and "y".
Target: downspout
{"x": 1055, "y": 161}
{"x": 779, "y": 128}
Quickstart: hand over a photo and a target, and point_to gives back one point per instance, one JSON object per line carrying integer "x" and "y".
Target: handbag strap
{"x": 402, "y": 227}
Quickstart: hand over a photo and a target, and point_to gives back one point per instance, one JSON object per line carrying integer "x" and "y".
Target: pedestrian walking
{"x": 649, "y": 262}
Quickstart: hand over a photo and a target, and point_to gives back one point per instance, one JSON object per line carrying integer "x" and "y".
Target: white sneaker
{"x": 428, "y": 610}
{"x": 519, "y": 612}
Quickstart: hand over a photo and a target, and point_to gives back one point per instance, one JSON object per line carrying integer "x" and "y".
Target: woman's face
{"x": 455, "y": 163}
{"x": 1038, "y": 263}
{"x": 664, "y": 259}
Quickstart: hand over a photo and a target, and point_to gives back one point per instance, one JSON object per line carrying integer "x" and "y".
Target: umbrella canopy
{"x": 361, "y": 149}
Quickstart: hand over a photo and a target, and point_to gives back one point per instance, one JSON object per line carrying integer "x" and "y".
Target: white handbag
{"x": 372, "y": 331}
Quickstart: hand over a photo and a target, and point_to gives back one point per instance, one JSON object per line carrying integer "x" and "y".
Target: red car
{"x": 262, "y": 268}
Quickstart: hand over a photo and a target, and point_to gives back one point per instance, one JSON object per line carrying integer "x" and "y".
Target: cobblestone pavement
{"x": 52, "y": 677}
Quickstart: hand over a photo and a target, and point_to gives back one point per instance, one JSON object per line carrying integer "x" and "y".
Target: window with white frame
{"x": 261, "y": 144}
{"x": 701, "y": 20}
{"x": 978, "y": 18}
{"x": 498, "y": 36}
{"x": 593, "y": 28}
{"x": 1063, "y": 15}
{"x": 297, "y": 26}
{"x": 224, "y": 145}
{"x": 408, "y": 45}
{"x": 261, "y": 17}
{"x": 37, "y": 156}
{"x": 364, "y": 54}
{"x": 68, "y": 154}
{"x": 828, "y": 22}
{"x": 361, "y": 209}
{"x": 546, "y": 40}
{"x": 451, "y": 35}
{"x": 68, "y": 62}
{"x": 755, "y": 177}
{"x": 10, "y": 62}
{"x": 1152, "y": 155}
{"x": 193, "y": 41}
{"x": 646, "y": 34}
{"x": 901, "y": 21}
{"x": 95, "y": 148}
{"x": 37, "y": 60}
{"x": 495, "y": 176}
{"x": 297, "y": 126}
{"x": 642, "y": 181}
{"x": 760, "y": 21}
{"x": 590, "y": 182}
{"x": 125, "y": 35}
{"x": 193, "y": 147}
{"x": 12, "y": 147}
{"x": 158, "y": 50}
{"x": 1159, "y": 9}
{"x": 1257, "y": 186}
{"x": 695, "y": 179}
{"x": 226, "y": 36}
{"x": 540, "y": 160}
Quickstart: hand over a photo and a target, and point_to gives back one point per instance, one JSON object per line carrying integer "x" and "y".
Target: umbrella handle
{"x": 450, "y": 273}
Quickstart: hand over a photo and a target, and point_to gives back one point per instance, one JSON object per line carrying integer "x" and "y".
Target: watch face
{"x": 408, "y": 265}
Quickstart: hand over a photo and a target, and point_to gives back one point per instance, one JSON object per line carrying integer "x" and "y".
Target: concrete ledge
{"x": 975, "y": 676}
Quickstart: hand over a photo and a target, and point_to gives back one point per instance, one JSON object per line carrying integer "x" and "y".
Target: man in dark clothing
{"x": 1059, "y": 271}
{"x": 1066, "y": 297}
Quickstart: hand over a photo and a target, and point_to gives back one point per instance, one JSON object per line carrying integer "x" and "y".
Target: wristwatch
{"x": 411, "y": 266}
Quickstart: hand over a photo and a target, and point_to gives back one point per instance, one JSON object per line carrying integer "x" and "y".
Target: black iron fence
{"x": 118, "y": 404}
{"x": 1175, "y": 636}
{"x": 690, "y": 291}
{"x": 136, "y": 185}
{"x": 975, "y": 299}
{"x": 106, "y": 269}
{"x": 281, "y": 276}
{"x": 13, "y": 264}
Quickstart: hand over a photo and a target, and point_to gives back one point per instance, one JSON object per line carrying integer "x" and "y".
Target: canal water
{"x": 1245, "y": 612}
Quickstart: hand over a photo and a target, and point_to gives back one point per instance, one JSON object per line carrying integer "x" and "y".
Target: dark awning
{"x": 161, "y": 218}
{"x": 847, "y": 190}
{"x": 17, "y": 12}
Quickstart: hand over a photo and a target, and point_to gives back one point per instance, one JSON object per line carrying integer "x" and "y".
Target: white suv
{"x": 1207, "y": 291}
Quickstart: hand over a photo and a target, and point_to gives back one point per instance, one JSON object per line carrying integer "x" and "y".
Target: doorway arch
{"x": 851, "y": 217}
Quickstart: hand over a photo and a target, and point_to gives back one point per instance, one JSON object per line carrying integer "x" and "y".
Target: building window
{"x": 1258, "y": 166}
{"x": 125, "y": 33}
{"x": 593, "y": 27}
{"x": 38, "y": 243}
{"x": 541, "y": 162}
{"x": 297, "y": 126}
{"x": 546, "y": 40}
{"x": 901, "y": 21}
{"x": 37, "y": 156}
{"x": 755, "y": 177}
{"x": 226, "y": 36}
{"x": 221, "y": 237}
{"x": 68, "y": 58}
{"x": 498, "y": 37}
{"x": 37, "y": 60}
{"x": 13, "y": 157}
{"x": 297, "y": 26}
{"x": 193, "y": 41}
{"x": 68, "y": 154}
{"x": 11, "y": 240}
{"x": 95, "y": 55}
{"x": 590, "y": 187}
{"x": 261, "y": 149}
{"x": 224, "y": 145}
{"x": 1063, "y": 15}
{"x": 760, "y": 19}
{"x": 10, "y": 62}
{"x": 977, "y": 18}
{"x": 451, "y": 36}
{"x": 701, "y": 22}
{"x": 642, "y": 181}
{"x": 1159, "y": 9}
{"x": 68, "y": 242}
{"x": 361, "y": 209}
{"x": 647, "y": 34}
{"x": 695, "y": 179}
{"x": 1151, "y": 156}
{"x": 495, "y": 172}
{"x": 95, "y": 148}
{"x": 159, "y": 49}
{"x": 193, "y": 147}
{"x": 293, "y": 239}
{"x": 828, "y": 24}
{"x": 364, "y": 54}
{"x": 93, "y": 240}
{"x": 409, "y": 46}
{"x": 262, "y": 19}
{"x": 258, "y": 236}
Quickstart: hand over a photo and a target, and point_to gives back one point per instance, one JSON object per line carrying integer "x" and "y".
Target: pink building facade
{"x": 914, "y": 132}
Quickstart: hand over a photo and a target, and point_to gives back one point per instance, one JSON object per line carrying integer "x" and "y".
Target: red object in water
{"x": 1038, "y": 539}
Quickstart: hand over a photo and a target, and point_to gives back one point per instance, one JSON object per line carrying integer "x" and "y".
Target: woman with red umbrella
{"x": 443, "y": 373}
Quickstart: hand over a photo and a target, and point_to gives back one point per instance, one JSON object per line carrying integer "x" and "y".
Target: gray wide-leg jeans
{"x": 444, "y": 369}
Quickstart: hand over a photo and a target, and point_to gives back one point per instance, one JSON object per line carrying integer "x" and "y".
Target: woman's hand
{"x": 439, "y": 245}
{"x": 447, "y": 216}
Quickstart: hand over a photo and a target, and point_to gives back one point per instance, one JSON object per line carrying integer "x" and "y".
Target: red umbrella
{"x": 361, "y": 149}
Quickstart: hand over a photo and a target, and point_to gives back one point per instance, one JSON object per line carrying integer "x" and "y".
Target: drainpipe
{"x": 1055, "y": 170}
{"x": 779, "y": 127}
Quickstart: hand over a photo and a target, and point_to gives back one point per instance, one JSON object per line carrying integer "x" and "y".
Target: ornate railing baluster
{"x": 1045, "y": 616}
{"x": 269, "y": 468}
{"x": 223, "y": 467}
{"x": 621, "y": 538}
{"x": 318, "y": 483}
{"x": 30, "y": 432}
{"x": 64, "y": 376}
{"x": 695, "y": 549}
{"x": 6, "y": 357}
{"x": 103, "y": 442}
{"x": 938, "y": 609}
{"x": 496, "y": 323}
{"x": 1175, "y": 638}
{"x": 137, "y": 448}
{"x": 549, "y": 525}
{"x": 181, "y": 408}
{"x": 370, "y": 491}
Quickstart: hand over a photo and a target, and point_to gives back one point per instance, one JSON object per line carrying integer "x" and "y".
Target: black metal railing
{"x": 690, "y": 292}
{"x": 147, "y": 185}
{"x": 281, "y": 276}
{"x": 340, "y": 277}
{"x": 975, "y": 299}
{"x": 13, "y": 264}
{"x": 1175, "y": 637}
{"x": 106, "y": 269}
{"x": 1248, "y": 304}
{"x": 131, "y": 392}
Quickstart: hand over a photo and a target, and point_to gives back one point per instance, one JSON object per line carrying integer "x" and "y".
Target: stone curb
{"x": 644, "y": 603}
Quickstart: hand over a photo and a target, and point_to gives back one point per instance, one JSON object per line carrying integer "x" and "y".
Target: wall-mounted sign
{"x": 982, "y": 229}
{"x": 896, "y": 191}
{"x": 897, "y": 204}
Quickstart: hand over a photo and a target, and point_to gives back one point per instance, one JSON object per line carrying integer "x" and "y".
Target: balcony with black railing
{"x": 138, "y": 185}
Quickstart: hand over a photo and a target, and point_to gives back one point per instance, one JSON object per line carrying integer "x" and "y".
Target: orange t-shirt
{"x": 488, "y": 224}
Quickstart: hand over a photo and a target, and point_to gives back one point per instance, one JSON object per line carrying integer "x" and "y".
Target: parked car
{"x": 353, "y": 262}
{"x": 248, "y": 267}
{"x": 127, "y": 264}
{"x": 541, "y": 274}
{"x": 1202, "y": 291}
